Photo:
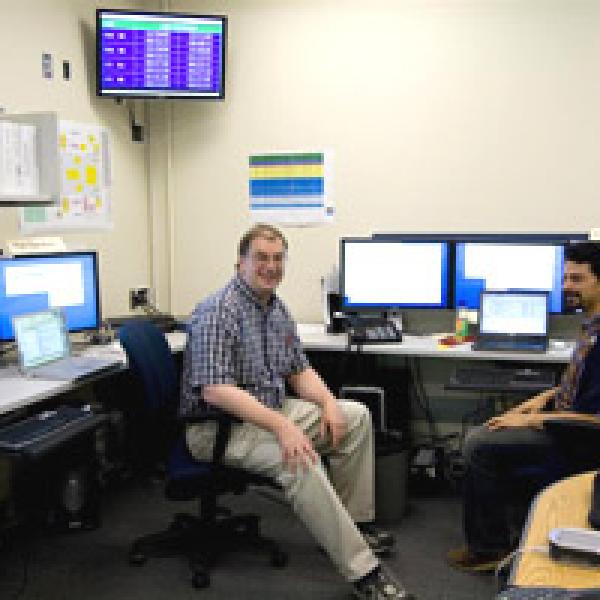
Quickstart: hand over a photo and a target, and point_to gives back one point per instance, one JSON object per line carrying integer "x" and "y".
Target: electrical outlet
{"x": 139, "y": 296}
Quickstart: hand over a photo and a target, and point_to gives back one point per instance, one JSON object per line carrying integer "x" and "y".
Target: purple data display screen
{"x": 160, "y": 55}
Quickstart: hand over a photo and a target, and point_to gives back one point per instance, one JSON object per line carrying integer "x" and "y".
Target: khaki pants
{"x": 328, "y": 508}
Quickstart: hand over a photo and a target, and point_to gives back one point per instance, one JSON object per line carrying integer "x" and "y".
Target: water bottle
{"x": 462, "y": 322}
{"x": 73, "y": 497}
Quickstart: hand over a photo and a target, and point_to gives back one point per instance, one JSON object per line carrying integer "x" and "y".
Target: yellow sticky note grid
{"x": 72, "y": 174}
{"x": 91, "y": 175}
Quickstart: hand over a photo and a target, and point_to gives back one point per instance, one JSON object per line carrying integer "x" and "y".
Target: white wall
{"x": 66, "y": 28}
{"x": 478, "y": 115}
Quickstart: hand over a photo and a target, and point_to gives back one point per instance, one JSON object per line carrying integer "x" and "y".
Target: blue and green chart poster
{"x": 290, "y": 188}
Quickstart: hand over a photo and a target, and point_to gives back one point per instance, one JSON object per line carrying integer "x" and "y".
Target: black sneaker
{"x": 379, "y": 541}
{"x": 380, "y": 585}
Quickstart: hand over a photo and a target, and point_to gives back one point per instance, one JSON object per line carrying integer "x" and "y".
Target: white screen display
{"x": 518, "y": 314}
{"x": 394, "y": 273}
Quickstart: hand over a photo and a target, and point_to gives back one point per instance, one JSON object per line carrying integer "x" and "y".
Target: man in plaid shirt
{"x": 516, "y": 442}
{"x": 242, "y": 350}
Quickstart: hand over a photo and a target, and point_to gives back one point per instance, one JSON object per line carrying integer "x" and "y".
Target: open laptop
{"x": 513, "y": 321}
{"x": 45, "y": 352}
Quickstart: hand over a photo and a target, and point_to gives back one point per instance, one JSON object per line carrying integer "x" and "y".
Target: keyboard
{"x": 39, "y": 433}
{"x": 502, "y": 379}
{"x": 547, "y": 593}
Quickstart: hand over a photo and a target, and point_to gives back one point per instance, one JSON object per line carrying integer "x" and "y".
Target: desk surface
{"x": 563, "y": 504}
{"x": 314, "y": 338}
{"x": 17, "y": 391}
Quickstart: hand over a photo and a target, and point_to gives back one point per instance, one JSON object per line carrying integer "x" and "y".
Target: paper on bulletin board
{"x": 291, "y": 188}
{"x": 85, "y": 183}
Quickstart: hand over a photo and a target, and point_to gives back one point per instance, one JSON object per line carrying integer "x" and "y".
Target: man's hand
{"x": 516, "y": 419}
{"x": 332, "y": 422}
{"x": 296, "y": 449}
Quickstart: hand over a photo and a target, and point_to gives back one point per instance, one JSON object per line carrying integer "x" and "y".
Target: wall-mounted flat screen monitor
{"x": 498, "y": 266}
{"x": 160, "y": 55}
{"x": 36, "y": 282}
{"x": 378, "y": 275}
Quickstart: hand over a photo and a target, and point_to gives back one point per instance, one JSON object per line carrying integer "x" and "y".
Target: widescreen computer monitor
{"x": 31, "y": 283}
{"x": 160, "y": 55}
{"x": 380, "y": 276}
{"x": 498, "y": 266}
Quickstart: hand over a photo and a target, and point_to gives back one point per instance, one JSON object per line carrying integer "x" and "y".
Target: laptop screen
{"x": 41, "y": 337}
{"x": 513, "y": 313}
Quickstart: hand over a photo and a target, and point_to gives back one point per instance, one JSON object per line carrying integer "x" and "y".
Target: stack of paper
{"x": 19, "y": 174}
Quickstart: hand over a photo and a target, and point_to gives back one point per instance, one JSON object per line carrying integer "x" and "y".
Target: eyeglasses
{"x": 263, "y": 258}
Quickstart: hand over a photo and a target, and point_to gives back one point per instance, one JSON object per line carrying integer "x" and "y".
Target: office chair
{"x": 204, "y": 537}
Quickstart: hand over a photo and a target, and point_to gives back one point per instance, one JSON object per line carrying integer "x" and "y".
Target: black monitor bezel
{"x": 93, "y": 254}
{"x": 166, "y": 96}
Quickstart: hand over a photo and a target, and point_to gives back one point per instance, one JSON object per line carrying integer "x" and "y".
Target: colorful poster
{"x": 291, "y": 188}
{"x": 85, "y": 183}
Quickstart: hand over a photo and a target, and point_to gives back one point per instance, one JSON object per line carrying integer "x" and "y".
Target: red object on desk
{"x": 452, "y": 340}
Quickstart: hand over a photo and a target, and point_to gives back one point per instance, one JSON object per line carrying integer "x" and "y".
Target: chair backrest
{"x": 150, "y": 358}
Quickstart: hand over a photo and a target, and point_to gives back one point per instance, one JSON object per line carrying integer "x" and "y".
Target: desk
{"x": 563, "y": 504}
{"x": 314, "y": 338}
{"x": 17, "y": 391}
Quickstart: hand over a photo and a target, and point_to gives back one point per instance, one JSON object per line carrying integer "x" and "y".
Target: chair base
{"x": 203, "y": 542}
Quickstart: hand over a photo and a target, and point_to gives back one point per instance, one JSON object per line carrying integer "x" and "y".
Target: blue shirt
{"x": 587, "y": 394}
{"x": 234, "y": 339}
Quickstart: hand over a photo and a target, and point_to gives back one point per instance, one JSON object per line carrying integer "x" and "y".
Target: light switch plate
{"x": 595, "y": 233}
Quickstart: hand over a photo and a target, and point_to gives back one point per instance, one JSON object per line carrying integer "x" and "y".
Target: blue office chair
{"x": 204, "y": 537}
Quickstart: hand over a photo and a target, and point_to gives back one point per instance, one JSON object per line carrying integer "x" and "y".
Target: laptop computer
{"x": 45, "y": 352}
{"x": 513, "y": 321}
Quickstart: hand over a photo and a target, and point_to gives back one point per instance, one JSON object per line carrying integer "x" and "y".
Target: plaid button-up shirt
{"x": 234, "y": 339}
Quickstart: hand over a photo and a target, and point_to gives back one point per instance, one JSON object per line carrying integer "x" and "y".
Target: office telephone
{"x": 373, "y": 330}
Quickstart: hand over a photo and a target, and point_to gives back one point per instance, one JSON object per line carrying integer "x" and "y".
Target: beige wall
{"x": 66, "y": 28}
{"x": 447, "y": 115}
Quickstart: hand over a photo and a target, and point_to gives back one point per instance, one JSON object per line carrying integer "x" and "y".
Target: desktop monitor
{"x": 499, "y": 266}
{"x": 380, "y": 276}
{"x": 32, "y": 283}
{"x": 160, "y": 55}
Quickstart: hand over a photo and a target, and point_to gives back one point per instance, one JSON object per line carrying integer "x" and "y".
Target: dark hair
{"x": 585, "y": 253}
{"x": 260, "y": 230}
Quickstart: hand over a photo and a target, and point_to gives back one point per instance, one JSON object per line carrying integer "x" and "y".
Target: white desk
{"x": 17, "y": 391}
{"x": 314, "y": 338}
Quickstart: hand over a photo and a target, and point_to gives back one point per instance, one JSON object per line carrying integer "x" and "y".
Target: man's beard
{"x": 573, "y": 300}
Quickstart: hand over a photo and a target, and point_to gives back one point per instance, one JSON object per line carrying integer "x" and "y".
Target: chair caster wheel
{"x": 200, "y": 580}
{"x": 279, "y": 559}
{"x": 137, "y": 558}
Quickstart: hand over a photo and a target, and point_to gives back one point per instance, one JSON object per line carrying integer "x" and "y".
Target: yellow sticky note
{"x": 90, "y": 175}
{"x": 83, "y": 146}
{"x": 96, "y": 147}
{"x": 79, "y": 188}
{"x": 91, "y": 138}
{"x": 77, "y": 160}
{"x": 62, "y": 140}
{"x": 65, "y": 205}
{"x": 98, "y": 202}
{"x": 72, "y": 174}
